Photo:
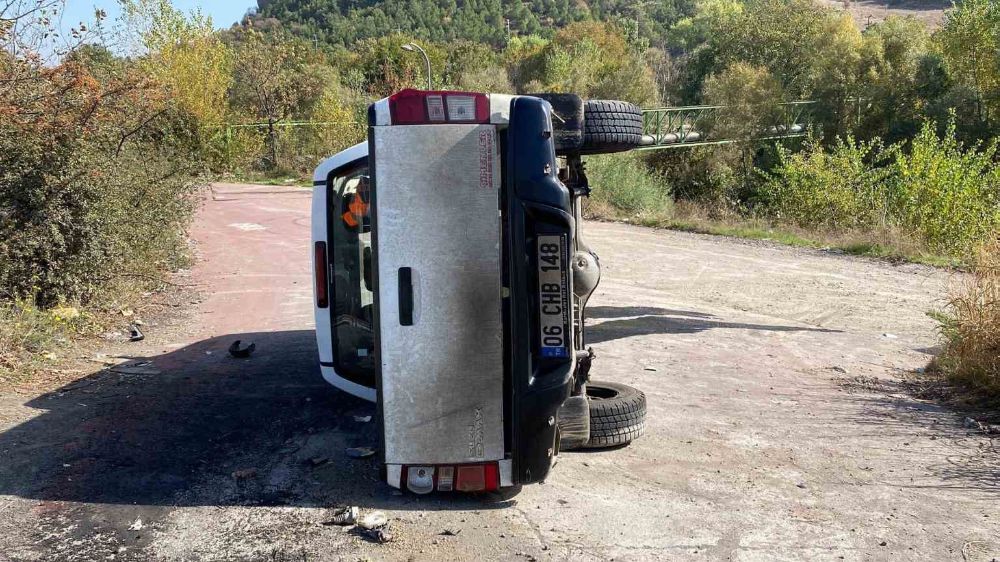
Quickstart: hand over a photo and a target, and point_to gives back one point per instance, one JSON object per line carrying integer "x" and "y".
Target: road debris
{"x": 343, "y": 516}
{"x": 105, "y": 359}
{"x": 135, "y": 334}
{"x": 988, "y": 429}
{"x": 381, "y": 535}
{"x": 245, "y": 473}
{"x": 362, "y": 419}
{"x": 135, "y": 368}
{"x": 113, "y": 336}
{"x": 374, "y": 527}
{"x": 374, "y": 520}
{"x": 136, "y": 525}
{"x": 318, "y": 461}
{"x": 450, "y": 532}
{"x": 360, "y": 452}
{"x": 241, "y": 353}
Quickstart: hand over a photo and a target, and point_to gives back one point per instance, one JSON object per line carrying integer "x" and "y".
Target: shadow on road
{"x": 926, "y": 434}
{"x": 203, "y": 428}
{"x": 643, "y": 321}
{"x": 628, "y": 311}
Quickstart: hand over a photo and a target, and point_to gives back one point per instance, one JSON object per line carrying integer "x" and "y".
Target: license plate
{"x": 552, "y": 297}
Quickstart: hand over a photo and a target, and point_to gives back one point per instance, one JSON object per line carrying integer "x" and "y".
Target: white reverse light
{"x": 461, "y": 108}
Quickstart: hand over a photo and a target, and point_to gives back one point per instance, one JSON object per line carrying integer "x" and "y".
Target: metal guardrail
{"x": 699, "y": 125}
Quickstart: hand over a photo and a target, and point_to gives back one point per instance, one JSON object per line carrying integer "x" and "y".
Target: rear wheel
{"x": 610, "y": 126}
{"x": 617, "y": 414}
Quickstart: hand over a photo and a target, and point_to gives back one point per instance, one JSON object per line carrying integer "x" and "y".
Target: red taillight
{"x": 419, "y": 107}
{"x": 322, "y": 285}
{"x": 477, "y": 478}
{"x": 461, "y": 478}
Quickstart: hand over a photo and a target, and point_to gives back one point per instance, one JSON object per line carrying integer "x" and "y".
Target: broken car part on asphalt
{"x": 241, "y": 352}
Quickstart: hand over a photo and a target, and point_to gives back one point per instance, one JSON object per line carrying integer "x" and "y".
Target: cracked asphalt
{"x": 777, "y": 428}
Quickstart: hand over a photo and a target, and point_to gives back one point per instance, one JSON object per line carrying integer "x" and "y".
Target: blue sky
{"x": 224, "y": 12}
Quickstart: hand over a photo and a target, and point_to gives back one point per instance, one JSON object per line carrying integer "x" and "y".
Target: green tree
{"x": 270, "y": 82}
{"x": 970, "y": 42}
{"x": 812, "y": 51}
{"x": 184, "y": 53}
{"x": 591, "y": 59}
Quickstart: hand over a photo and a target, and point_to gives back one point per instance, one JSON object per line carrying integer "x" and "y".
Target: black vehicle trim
{"x": 537, "y": 204}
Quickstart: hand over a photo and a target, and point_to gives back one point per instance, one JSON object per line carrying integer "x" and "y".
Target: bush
{"x": 847, "y": 187}
{"x": 705, "y": 174}
{"x": 971, "y": 327}
{"x": 940, "y": 192}
{"x": 626, "y": 185}
{"x": 95, "y": 185}
{"x": 949, "y": 194}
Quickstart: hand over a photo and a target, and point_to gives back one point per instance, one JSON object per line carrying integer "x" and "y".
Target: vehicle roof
{"x": 339, "y": 159}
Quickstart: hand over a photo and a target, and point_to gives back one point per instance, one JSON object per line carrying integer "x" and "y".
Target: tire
{"x": 617, "y": 414}
{"x": 610, "y": 126}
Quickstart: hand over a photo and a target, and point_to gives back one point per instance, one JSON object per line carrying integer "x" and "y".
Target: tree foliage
{"x": 185, "y": 54}
{"x": 970, "y": 43}
{"x": 493, "y": 22}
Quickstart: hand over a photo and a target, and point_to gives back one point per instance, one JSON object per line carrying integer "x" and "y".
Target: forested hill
{"x": 342, "y": 22}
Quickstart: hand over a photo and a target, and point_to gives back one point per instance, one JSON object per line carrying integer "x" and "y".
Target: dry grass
{"x": 28, "y": 337}
{"x": 971, "y": 327}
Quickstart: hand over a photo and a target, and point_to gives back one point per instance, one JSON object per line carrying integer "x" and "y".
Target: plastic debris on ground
{"x": 239, "y": 352}
{"x": 360, "y": 452}
{"x": 343, "y": 516}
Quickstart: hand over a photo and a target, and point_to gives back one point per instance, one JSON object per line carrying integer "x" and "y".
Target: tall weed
{"x": 28, "y": 336}
{"x": 971, "y": 326}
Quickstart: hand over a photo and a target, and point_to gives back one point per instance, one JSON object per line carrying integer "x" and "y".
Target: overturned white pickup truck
{"x": 451, "y": 283}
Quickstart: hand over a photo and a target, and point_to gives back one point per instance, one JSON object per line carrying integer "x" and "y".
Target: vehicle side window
{"x": 351, "y": 260}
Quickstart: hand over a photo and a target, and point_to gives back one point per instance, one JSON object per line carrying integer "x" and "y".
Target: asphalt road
{"x": 777, "y": 429}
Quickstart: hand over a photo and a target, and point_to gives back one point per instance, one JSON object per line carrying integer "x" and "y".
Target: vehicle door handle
{"x": 405, "y": 292}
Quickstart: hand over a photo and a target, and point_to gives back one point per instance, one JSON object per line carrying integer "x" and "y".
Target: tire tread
{"x": 617, "y": 421}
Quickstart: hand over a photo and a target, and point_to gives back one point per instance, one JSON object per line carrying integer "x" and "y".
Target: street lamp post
{"x": 411, "y": 47}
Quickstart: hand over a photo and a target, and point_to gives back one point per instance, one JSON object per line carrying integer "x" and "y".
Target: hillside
{"x": 486, "y": 21}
